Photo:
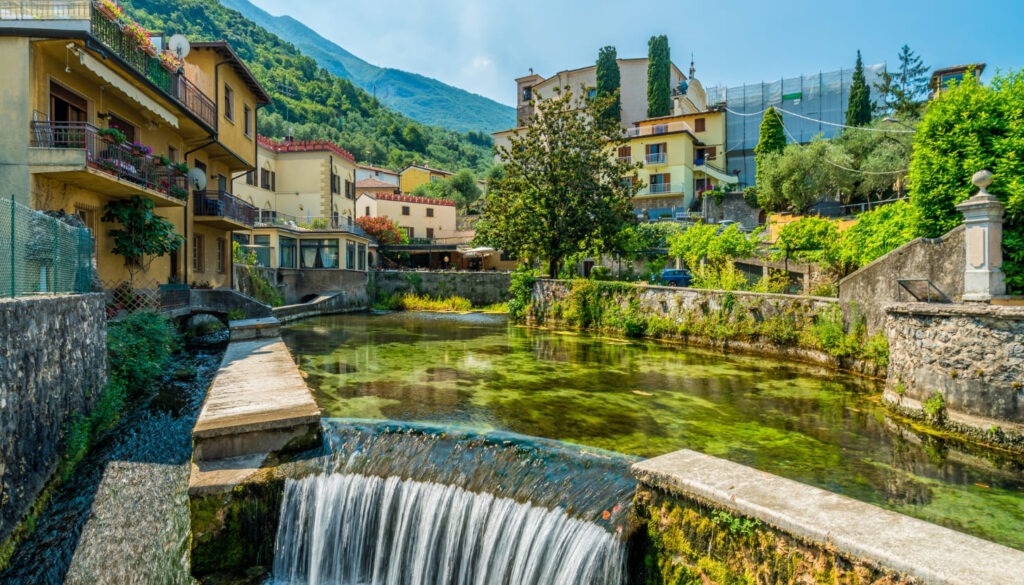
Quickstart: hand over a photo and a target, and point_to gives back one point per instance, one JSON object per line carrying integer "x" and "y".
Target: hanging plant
{"x": 170, "y": 61}
{"x": 110, "y": 9}
{"x": 112, "y": 135}
{"x": 141, "y": 150}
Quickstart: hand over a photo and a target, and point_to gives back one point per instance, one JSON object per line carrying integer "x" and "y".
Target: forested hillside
{"x": 421, "y": 98}
{"x": 309, "y": 101}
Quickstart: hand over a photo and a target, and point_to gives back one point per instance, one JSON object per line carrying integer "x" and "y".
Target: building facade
{"x": 414, "y": 175}
{"x": 421, "y": 218}
{"x": 364, "y": 172}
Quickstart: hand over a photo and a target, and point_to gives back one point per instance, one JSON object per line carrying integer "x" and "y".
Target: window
{"x": 220, "y": 254}
{"x": 222, "y": 183}
{"x": 527, "y": 93}
{"x": 655, "y": 153}
{"x": 318, "y": 253}
{"x": 288, "y": 256}
{"x": 661, "y": 183}
{"x": 172, "y": 154}
{"x": 123, "y": 125}
{"x": 197, "y": 254}
{"x": 405, "y": 210}
{"x": 410, "y": 232}
{"x": 660, "y": 129}
{"x": 229, "y": 103}
{"x": 335, "y": 182}
{"x": 88, "y": 217}
{"x": 367, "y": 211}
{"x": 705, "y": 154}
{"x": 699, "y": 125}
{"x": 361, "y": 256}
{"x": 430, "y": 212}
{"x": 67, "y": 106}
{"x": 261, "y": 246}
{"x": 626, "y": 154}
{"x": 247, "y": 120}
{"x": 350, "y": 190}
{"x": 350, "y": 255}
{"x": 268, "y": 179}
{"x": 430, "y": 233}
{"x": 250, "y": 178}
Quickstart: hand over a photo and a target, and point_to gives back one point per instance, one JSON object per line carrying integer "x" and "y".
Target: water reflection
{"x": 645, "y": 399}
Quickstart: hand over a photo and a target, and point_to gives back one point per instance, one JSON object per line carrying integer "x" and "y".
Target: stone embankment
{"x": 481, "y": 288}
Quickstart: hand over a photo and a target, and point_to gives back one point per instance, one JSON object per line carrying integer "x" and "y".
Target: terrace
{"x": 223, "y": 210}
{"x": 266, "y": 218}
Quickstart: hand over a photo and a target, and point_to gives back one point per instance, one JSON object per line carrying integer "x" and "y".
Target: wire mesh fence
{"x": 40, "y": 254}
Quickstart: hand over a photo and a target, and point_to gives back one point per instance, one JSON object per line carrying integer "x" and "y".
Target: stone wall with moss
{"x": 481, "y": 288}
{"x": 803, "y": 328}
{"x": 959, "y": 367}
{"x": 684, "y": 542}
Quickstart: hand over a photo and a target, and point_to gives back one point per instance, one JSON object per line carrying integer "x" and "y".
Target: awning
{"x": 128, "y": 90}
{"x": 475, "y": 252}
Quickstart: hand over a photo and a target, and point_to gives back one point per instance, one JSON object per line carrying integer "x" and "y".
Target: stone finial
{"x": 981, "y": 180}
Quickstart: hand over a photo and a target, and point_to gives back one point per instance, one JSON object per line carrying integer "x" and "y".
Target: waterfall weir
{"x": 404, "y": 504}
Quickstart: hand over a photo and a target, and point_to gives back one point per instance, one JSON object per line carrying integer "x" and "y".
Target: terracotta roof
{"x": 372, "y": 183}
{"x": 414, "y": 199}
{"x": 304, "y": 146}
{"x": 238, "y": 65}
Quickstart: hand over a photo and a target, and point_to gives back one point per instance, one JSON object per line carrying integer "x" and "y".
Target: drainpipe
{"x": 330, "y": 189}
{"x": 185, "y": 160}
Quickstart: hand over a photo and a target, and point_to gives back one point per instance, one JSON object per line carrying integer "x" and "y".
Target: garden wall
{"x": 53, "y": 366}
{"x": 735, "y": 208}
{"x": 772, "y": 324}
{"x": 972, "y": 356}
{"x": 708, "y": 520}
{"x": 939, "y": 260}
{"x": 481, "y": 288}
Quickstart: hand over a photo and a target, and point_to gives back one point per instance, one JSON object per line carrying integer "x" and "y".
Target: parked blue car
{"x": 674, "y": 277}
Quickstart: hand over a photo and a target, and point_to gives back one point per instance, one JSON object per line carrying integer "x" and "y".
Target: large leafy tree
{"x": 967, "y": 129}
{"x": 143, "y": 236}
{"x": 460, "y": 187}
{"x": 659, "y": 77}
{"x": 903, "y": 90}
{"x": 561, "y": 193}
{"x": 705, "y": 242}
{"x": 608, "y": 82}
{"x": 802, "y": 175}
{"x": 858, "y": 112}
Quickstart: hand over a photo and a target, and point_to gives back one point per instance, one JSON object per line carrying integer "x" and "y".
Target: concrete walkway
{"x": 906, "y": 545}
{"x": 257, "y": 404}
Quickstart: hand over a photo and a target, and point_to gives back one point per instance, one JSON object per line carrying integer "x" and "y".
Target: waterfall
{"x": 353, "y": 529}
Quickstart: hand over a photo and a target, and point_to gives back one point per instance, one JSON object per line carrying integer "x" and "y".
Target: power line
{"x": 866, "y": 172}
{"x": 808, "y": 118}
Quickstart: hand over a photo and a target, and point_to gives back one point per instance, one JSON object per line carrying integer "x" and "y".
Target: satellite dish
{"x": 197, "y": 178}
{"x": 178, "y": 45}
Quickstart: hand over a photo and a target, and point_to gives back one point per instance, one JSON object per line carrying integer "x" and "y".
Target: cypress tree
{"x": 771, "y": 140}
{"x": 659, "y": 92}
{"x": 858, "y": 112}
{"x": 608, "y": 83}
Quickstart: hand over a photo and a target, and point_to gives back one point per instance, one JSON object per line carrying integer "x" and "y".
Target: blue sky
{"x": 482, "y": 45}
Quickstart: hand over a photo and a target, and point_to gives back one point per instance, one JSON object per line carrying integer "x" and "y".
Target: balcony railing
{"x": 655, "y": 129}
{"x": 626, "y": 159}
{"x": 226, "y": 205}
{"x": 118, "y": 160}
{"x": 655, "y": 158}
{"x": 62, "y": 14}
{"x": 344, "y": 224}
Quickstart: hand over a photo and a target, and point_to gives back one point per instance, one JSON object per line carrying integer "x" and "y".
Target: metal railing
{"x": 626, "y": 159}
{"x": 111, "y": 34}
{"x": 42, "y": 254}
{"x": 119, "y": 160}
{"x": 29, "y": 10}
{"x": 224, "y": 204}
{"x": 655, "y": 129}
{"x": 654, "y": 158}
{"x": 661, "y": 189}
{"x": 344, "y": 224}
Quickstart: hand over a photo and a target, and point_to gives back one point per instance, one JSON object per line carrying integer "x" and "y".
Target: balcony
{"x": 661, "y": 190}
{"x": 82, "y": 16}
{"x": 656, "y": 129}
{"x": 76, "y": 153}
{"x": 266, "y": 218}
{"x": 626, "y": 159}
{"x": 222, "y": 210}
{"x": 654, "y": 158}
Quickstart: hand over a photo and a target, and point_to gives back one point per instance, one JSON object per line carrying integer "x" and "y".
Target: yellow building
{"x": 414, "y": 175}
{"x": 304, "y": 192}
{"x": 74, "y": 76}
{"x": 420, "y": 217}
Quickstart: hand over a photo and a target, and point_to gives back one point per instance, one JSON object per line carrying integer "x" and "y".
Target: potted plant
{"x": 180, "y": 168}
{"x": 140, "y": 150}
{"x": 170, "y": 61}
{"x": 112, "y": 135}
{"x": 110, "y": 9}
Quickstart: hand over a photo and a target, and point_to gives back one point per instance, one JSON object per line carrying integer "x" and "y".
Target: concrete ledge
{"x": 852, "y": 528}
{"x": 258, "y": 403}
{"x": 263, "y": 328}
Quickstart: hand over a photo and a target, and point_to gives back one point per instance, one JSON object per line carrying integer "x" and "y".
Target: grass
{"x": 415, "y": 302}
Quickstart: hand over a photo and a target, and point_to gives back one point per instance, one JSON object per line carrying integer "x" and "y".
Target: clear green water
{"x": 646, "y": 399}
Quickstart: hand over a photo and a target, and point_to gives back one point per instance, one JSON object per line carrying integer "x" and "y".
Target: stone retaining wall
{"x": 481, "y": 288}
{"x": 970, "y": 355}
{"x": 53, "y": 366}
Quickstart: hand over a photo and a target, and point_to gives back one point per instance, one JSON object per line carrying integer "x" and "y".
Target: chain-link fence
{"x": 40, "y": 254}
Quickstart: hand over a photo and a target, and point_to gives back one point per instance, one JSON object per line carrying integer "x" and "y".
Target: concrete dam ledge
{"x": 890, "y": 540}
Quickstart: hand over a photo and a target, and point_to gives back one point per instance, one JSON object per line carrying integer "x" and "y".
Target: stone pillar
{"x": 983, "y": 218}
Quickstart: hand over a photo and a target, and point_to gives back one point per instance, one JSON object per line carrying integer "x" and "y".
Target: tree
{"x": 809, "y": 239}
{"x": 561, "y": 194}
{"x": 858, "y": 113}
{"x": 704, "y": 242}
{"x": 659, "y": 77}
{"x": 875, "y": 234}
{"x": 383, "y": 230}
{"x": 640, "y": 240}
{"x": 464, "y": 189}
{"x": 901, "y": 93}
{"x": 966, "y": 129}
{"x": 771, "y": 140}
{"x": 143, "y": 236}
{"x": 802, "y": 175}
{"x": 608, "y": 83}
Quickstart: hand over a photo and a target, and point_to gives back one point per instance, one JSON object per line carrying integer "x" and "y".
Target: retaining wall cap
{"x": 956, "y": 310}
{"x": 900, "y": 543}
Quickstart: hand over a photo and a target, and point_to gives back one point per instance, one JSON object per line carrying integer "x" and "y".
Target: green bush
{"x": 139, "y": 347}
{"x": 521, "y": 292}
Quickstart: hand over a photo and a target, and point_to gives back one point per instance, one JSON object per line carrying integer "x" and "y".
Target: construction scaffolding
{"x": 812, "y": 105}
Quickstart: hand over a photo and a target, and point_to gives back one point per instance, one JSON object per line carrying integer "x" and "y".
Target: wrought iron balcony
{"x": 655, "y": 158}
{"x": 224, "y": 205}
{"x": 343, "y": 224}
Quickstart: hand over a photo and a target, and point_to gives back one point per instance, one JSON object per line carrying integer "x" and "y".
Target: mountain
{"x": 310, "y": 102}
{"x": 421, "y": 98}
